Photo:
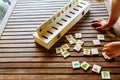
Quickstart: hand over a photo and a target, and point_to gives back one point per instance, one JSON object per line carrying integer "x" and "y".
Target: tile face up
{"x": 85, "y": 65}
{"x": 65, "y": 47}
{"x": 70, "y": 39}
{"x": 94, "y": 51}
{"x": 96, "y": 42}
{"x": 78, "y": 35}
{"x": 59, "y": 50}
{"x": 96, "y": 68}
{"x": 86, "y": 52}
{"x": 77, "y": 47}
{"x": 75, "y": 64}
{"x": 105, "y": 75}
{"x": 101, "y": 37}
{"x": 65, "y": 54}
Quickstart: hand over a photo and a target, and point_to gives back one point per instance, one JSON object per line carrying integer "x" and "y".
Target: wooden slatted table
{"x": 22, "y": 59}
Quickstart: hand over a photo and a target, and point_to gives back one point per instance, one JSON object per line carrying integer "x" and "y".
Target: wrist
{"x": 110, "y": 24}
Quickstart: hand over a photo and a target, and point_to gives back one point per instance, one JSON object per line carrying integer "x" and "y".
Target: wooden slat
{"x": 23, "y": 59}
{"x": 56, "y": 77}
{"x": 52, "y": 59}
{"x": 54, "y": 71}
{"x": 60, "y": 65}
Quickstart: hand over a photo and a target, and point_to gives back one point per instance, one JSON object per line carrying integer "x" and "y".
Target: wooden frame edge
{"x": 6, "y": 17}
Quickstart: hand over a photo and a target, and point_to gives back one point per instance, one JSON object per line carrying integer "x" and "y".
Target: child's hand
{"x": 101, "y": 24}
{"x": 112, "y": 49}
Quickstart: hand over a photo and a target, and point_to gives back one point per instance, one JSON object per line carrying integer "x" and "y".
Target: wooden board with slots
{"x": 56, "y": 26}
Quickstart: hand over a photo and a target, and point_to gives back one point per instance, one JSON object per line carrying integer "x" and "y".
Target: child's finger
{"x": 105, "y": 46}
{"x": 108, "y": 54}
{"x": 96, "y": 24}
{"x": 105, "y": 49}
{"x": 94, "y": 21}
{"x": 97, "y": 20}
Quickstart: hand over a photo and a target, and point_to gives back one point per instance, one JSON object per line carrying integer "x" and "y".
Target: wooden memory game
{"x": 56, "y": 26}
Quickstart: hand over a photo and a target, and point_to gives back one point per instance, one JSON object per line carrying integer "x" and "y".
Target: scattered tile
{"x": 85, "y": 65}
{"x": 65, "y": 53}
{"x": 77, "y": 47}
{"x": 96, "y": 42}
{"x": 105, "y": 75}
{"x": 78, "y": 35}
{"x": 79, "y": 42}
{"x": 65, "y": 47}
{"x": 106, "y": 56}
{"x": 94, "y": 51}
{"x": 86, "y": 52}
{"x": 75, "y": 64}
{"x": 59, "y": 50}
{"x": 70, "y": 39}
{"x": 96, "y": 68}
{"x": 101, "y": 37}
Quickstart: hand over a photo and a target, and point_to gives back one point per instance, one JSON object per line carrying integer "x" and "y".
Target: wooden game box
{"x": 57, "y": 25}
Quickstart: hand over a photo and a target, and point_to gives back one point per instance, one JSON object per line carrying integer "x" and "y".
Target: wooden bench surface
{"x": 23, "y": 59}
